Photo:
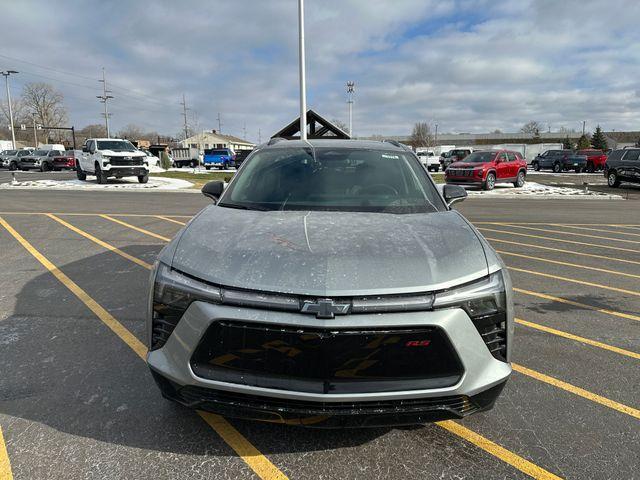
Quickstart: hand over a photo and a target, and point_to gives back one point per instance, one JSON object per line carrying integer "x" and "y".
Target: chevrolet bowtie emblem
{"x": 325, "y": 308}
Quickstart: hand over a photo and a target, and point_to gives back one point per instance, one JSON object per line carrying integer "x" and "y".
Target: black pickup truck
{"x": 560, "y": 161}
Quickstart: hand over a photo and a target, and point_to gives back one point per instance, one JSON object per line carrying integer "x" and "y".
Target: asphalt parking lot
{"x": 77, "y": 401}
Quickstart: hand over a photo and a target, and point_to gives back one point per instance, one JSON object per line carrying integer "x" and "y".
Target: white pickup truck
{"x": 112, "y": 157}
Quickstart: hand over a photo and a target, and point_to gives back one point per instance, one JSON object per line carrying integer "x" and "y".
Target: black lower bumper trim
{"x": 328, "y": 414}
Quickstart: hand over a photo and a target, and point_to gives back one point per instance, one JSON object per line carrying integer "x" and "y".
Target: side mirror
{"x": 453, "y": 194}
{"x": 213, "y": 190}
{"x": 85, "y": 150}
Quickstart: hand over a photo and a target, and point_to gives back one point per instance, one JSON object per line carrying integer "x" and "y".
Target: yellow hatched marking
{"x": 137, "y": 229}
{"x": 162, "y": 217}
{"x": 581, "y": 392}
{"x": 564, "y": 232}
{"x": 5, "y": 465}
{"x": 102, "y": 243}
{"x": 563, "y": 240}
{"x": 586, "y": 341}
{"x": 567, "y": 264}
{"x": 252, "y": 457}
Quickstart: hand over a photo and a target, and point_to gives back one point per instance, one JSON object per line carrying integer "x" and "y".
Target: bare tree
{"x": 48, "y": 105}
{"x": 96, "y": 130}
{"x": 421, "y": 136}
{"x": 131, "y": 132}
{"x": 564, "y": 129}
{"x": 532, "y": 127}
{"x": 340, "y": 124}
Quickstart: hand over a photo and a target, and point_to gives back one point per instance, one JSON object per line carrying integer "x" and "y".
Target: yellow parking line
{"x": 570, "y": 336}
{"x": 563, "y": 240}
{"x": 102, "y": 243}
{"x": 133, "y": 227}
{"x": 496, "y": 450}
{"x": 148, "y": 215}
{"x": 5, "y": 465}
{"x": 635, "y": 413}
{"x": 593, "y": 229}
{"x": 567, "y": 264}
{"x": 258, "y": 462}
{"x": 564, "y": 232}
{"x": 560, "y": 250}
{"x": 632, "y": 227}
{"x": 606, "y": 311}
{"x": 572, "y": 280}
{"x": 162, "y": 217}
{"x": 265, "y": 469}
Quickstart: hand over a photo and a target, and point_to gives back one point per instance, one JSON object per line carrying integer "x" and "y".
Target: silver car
{"x": 331, "y": 285}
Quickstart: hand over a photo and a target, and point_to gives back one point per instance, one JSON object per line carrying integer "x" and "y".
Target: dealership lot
{"x": 77, "y": 401}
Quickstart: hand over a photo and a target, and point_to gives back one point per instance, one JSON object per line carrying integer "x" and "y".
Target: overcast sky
{"x": 468, "y": 65}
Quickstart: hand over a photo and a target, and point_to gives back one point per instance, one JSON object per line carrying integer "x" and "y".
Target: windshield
{"x": 339, "y": 179}
{"x": 116, "y": 145}
{"x": 24, "y": 153}
{"x": 480, "y": 157}
{"x": 41, "y": 153}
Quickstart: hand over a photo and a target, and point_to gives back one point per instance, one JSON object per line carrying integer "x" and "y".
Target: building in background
{"x": 208, "y": 139}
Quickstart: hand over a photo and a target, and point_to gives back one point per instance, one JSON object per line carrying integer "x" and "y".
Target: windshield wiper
{"x": 242, "y": 207}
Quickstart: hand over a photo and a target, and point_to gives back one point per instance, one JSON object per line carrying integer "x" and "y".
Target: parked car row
{"x": 46, "y": 158}
{"x": 486, "y": 168}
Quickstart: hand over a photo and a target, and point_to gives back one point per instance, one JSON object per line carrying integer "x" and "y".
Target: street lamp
{"x": 350, "y": 90}
{"x": 303, "y": 86}
{"x": 6, "y": 80}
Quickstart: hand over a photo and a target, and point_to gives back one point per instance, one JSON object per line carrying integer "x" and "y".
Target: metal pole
{"x": 435, "y": 140}
{"x": 303, "y": 85}
{"x": 73, "y": 135}
{"x": 104, "y": 98}
{"x": 35, "y": 133}
{"x": 350, "y": 90}
{"x": 6, "y": 81}
{"x": 184, "y": 113}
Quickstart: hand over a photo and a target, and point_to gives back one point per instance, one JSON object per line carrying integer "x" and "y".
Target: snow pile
{"x": 128, "y": 183}
{"x": 532, "y": 189}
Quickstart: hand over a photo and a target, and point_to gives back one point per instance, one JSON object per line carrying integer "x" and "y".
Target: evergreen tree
{"x": 567, "y": 144}
{"x": 584, "y": 142}
{"x": 598, "y": 140}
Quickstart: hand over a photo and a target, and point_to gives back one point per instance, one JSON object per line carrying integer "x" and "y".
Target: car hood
{"x": 329, "y": 253}
{"x": 112, "y": 153}
{"x": 465, "y": 165}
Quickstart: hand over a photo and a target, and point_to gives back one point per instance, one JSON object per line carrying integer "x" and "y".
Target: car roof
{"x": 336, "y": 143}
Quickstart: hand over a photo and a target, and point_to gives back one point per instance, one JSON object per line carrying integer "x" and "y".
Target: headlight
{"x": 485, "y": 302}
{"x": 172, "y": 293}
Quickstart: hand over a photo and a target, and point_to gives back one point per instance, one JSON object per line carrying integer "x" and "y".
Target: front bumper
{"x": 480, "y": 380}
{"x": 125, "y": 171}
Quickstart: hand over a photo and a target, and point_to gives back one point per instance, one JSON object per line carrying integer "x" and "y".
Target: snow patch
{"x": 155, "y": 183}
{"x": 538, "y": 190}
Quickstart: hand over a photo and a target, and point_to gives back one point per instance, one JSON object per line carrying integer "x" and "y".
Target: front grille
{"x": 461, "y": 172}
{"x": 200, "y": 397}
{"x": 327, "y": 360}
{"x": 125, "y": 162}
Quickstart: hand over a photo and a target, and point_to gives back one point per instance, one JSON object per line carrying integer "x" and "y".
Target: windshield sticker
{"x": 384, "y": 155}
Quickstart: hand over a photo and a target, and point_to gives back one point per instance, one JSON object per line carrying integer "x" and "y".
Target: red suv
{"x": 486, "y": 168}
{"x": 595, "y": 159}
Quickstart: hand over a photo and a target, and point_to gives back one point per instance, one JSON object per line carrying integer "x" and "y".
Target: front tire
{"x": 612, "y": 180}
{"x": 101, "y": 177}
{"x": 13, "y": 166}
{"x": 194, "y": 164}
{"x": 490, "y": 182}
{"x": 557, "y": 168}
{"x": 207, "y": 167}
{"x": 143, "y": 178}
{"x": 536, "y": 166}
{"x": 45, "y": 167}
{"x": 519, "y": 183}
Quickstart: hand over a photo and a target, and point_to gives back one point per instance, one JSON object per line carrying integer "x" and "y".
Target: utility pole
{"x": 219, "y": 124}
{"x": 35, "y": 133}
{"x": 301, "y": 62}
{"x": 104, "y": 98}
{"x": 350, "y": 89}
{"x": 259, "y": 137}
{"x": 244, "y": 131}
{"x": 584, "y": 124}
{"x": 184, "y": 114}
{"x": 6, "y": 81}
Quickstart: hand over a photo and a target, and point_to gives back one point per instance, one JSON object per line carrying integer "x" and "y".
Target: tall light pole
{"x": 303, "y": 83}
{"x": 350, "y": 89}
{"x": 103, "y": 98}
{"x": 435, "y": 140}
{"x": 35, "y": 133}
{"x": 6, "y": 81}
{"x": 184, "y": 114}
